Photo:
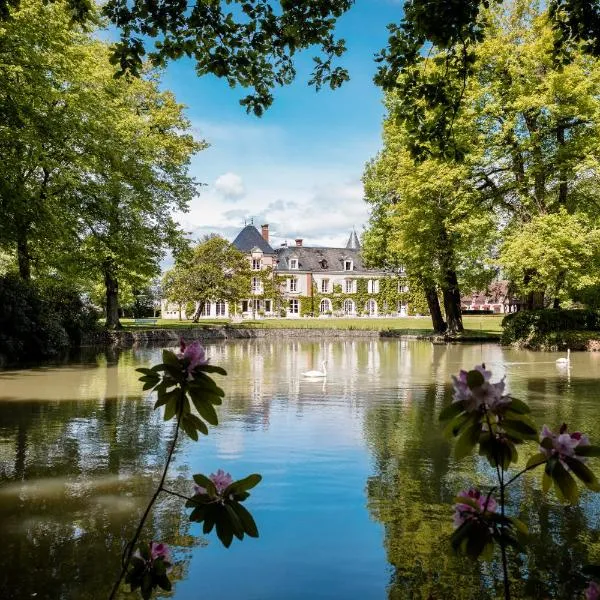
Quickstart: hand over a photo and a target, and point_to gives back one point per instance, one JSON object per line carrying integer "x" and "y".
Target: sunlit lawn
{"x": 474, "y": 325}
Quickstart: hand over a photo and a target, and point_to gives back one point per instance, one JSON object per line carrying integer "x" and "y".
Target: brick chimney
{"x": 298, "y": 241}
{"x": 265, "y": 232}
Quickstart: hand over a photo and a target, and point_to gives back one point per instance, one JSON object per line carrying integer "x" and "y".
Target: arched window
{"x": 325, "y": 306}
{"x": 371, "y": 308}
{"x": 348, "y": 307}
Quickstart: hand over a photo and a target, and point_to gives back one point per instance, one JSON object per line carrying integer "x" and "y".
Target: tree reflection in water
{"x": 76, "y": 476}
{"x": 416, "y": 479}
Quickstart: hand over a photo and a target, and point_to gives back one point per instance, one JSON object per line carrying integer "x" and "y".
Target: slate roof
{"x": 249, "y": 238}
{"x": 497, "y": 292}
{"x": 320, "y": 260}
{"x": 353, "y": 241}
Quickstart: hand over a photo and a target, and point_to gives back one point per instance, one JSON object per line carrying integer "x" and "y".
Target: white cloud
{"x": 230, "y": 186}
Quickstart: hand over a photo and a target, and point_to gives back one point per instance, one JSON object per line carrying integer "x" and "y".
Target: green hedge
{"x": 539, "y": 328}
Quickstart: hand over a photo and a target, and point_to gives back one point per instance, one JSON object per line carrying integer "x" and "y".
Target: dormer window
{"x": 256, "y": 264}
{"x": 293, "y": 263}
{"x": 348, "y": 266}
{"x": 323, "y": 263}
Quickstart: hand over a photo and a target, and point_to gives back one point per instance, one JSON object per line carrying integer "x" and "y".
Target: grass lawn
{"x": 474, "y": 325}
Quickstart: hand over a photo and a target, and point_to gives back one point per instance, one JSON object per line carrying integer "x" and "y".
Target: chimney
{"x": 298, "y": 241}
{"x": 265, "y": 232}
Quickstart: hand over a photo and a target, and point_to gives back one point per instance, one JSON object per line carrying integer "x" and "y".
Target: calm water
{"x": 355, "y": 501}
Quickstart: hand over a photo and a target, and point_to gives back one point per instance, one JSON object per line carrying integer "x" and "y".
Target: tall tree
{"x": 213, "y": 271}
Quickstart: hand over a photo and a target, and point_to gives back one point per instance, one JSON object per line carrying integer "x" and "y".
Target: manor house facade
{"x": 309, "y": 281}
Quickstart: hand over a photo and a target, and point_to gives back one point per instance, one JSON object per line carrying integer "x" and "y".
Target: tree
{"x": 213, "y": 271}
{"x": 426, "y": 212}
{"x": 99, "y": 166}
{"x": 555, "y": 253}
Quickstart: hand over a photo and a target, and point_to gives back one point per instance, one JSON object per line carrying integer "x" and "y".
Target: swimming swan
{"x": 322, "y": 373}
{"x": 564, "y": 361}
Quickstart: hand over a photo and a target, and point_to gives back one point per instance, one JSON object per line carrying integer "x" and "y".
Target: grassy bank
{"x": 475, "y": 326}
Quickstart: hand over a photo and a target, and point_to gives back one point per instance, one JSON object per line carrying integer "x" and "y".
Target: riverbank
{"x": 130, "y": 337}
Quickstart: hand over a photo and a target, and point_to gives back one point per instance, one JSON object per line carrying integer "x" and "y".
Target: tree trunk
{"x": 451, "y": 294}
{"x": 562, "y": 170}
{"x": 23, "y": 257}
{"x": 198, "y": 311}
{"x": 433, "y": 303}
{"x": 112, "y": 298}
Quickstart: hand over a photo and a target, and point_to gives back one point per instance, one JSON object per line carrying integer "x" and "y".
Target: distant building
{"x": 310, "y": 281}
{"x": 497, "y": 298}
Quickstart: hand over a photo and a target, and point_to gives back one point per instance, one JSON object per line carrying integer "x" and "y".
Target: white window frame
{"x": 220, "y": 308}
{"x": 348, "y": 265}
{"x": 256, "y": 285}
{"x": 268, "y": 306}
{"x": 325, "y": 305}
{"x": 350, "y": 286}
{"x": 294, "y": 264}
{"x": 256, "y": 264}
{"x": 294, "y": 306}
{"x": 324, "y": 286}
{"x": 349, "y": 307}
{"x": 371, "y": 307}
{"x": 293, "y": 284}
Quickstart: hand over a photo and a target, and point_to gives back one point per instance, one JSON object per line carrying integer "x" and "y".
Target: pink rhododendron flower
{"x": 563, "y": 443}
{"x": 160, "y": 551}
{"x": 488, "y": 395}
{"x": 592, "y": 591}
{"x": 221, "y": 480}
{"x": 194, "y": 352}
{"x": 463, "y": 512}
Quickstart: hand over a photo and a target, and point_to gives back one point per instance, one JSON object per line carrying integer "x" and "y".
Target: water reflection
{"x": 358, "y": 482}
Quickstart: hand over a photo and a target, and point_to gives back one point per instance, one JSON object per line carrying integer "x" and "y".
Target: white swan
{"x": 322, "y": 373}
{"x": 564, "y": 361}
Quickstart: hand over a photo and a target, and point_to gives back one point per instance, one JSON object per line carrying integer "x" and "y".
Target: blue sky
{"x": 298, "y": 167}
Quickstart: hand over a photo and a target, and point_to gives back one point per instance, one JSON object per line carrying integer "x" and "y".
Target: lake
{"x": 357, "y": 488}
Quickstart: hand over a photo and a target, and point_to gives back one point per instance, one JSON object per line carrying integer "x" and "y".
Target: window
{"x": 256, "y": 264}
{"x": 402, "y": 288}
{"x": 324, "y": 285}
{"x": 294, "y": 307}
{"x": 373, "y": 286}
{"x": 348, "y": 265}
{"x": 293, "y": 263}
{"x": 325, "y": 306}
{"x": 371, "y": 308}
{"x": 350, "y": 286}
{"x": 244, "y": 305}
{"x": 293, "y": 285}
{"x": 401, "y": 269}
{"x": 256, "y": 285}
{"x": 348, "y": 307}
{"x": 402, "y": 309}
{"x": 205, "y": 312}
{"x": 220, "y": 309}
{"x": 267, "y": 306}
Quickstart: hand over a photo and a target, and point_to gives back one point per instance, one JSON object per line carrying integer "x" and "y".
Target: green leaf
{"x": 207, "y": 412}
{"x": 246, "y": 519}
{"x": 450, "y": 411}
{"x": 169, "y": 358}
{"x": 521, "y": 427}
{"x": 206, "y": 483}
{"x": 467, "y": 441}
{"x": 546, "y": 482}
{"x": 163, "y": 582}
{"x": 587, "y": 450}
{"x": 189, "y": 428}
{"x": 211, "y": 369}
{"x": 454, "y": 426}
{"x": 198, "y": 423}
{"x": 519, "y": 406}
{"x": 170, "y": 409}
{"x": 564, "y": 483}
{"x": 224, "y": 532}
{"x": 234, "y": 521}
{"x": 243, "y": 485}
{"x": 537, "y": 459}
{"x": 583, "y": 473}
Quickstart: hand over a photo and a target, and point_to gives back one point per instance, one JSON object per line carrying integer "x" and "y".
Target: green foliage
{"x": 224, "y": 511}
{"x": 213, "y": 270}
{"x": 40, "y": 322}
{"x": 147, "y": 573}
{"x": 532, "y": 327}
{"x": 251, "y": 45}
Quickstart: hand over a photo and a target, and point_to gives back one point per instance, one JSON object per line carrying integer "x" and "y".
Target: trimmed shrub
{"x": 536, "y": 328}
